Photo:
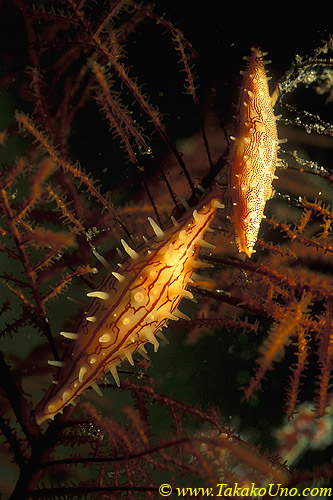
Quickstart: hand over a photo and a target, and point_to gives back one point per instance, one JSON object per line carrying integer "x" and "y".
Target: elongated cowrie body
{"x": 253, "y": 154}
{"x": 127, "y": 310}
